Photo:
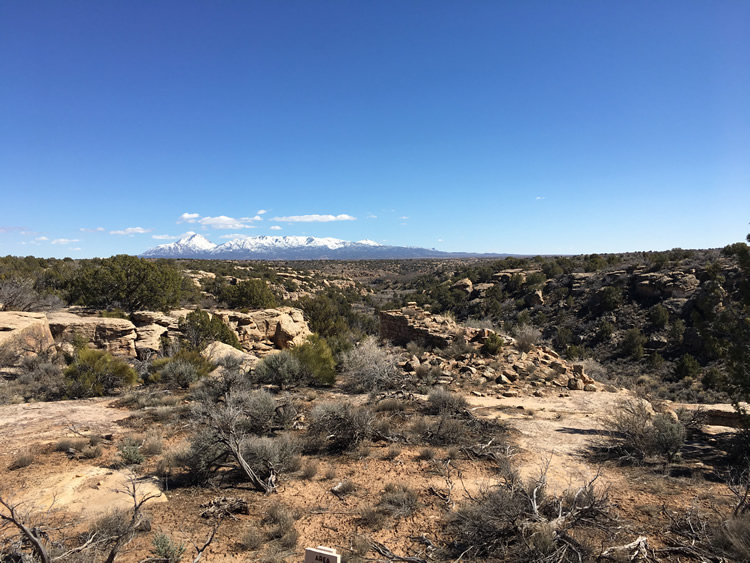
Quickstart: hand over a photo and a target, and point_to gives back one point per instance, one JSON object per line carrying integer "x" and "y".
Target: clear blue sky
{"x": 486, "y": 126}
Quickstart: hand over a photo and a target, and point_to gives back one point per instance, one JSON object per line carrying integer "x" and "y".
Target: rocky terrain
{"x": 470, "y": 390}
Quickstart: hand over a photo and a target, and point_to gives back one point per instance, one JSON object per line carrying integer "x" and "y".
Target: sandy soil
{"x": 554, "y": 428}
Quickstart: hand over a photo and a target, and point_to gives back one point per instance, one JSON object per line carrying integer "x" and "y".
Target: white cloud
{"x": 163, "y": 237}
{"x": 314, "y": 218}
{"x": 275, "y": 228}
{"x": 220, "y": 221}
{"x": 188, "y": 218}
{"x": 41, "y": 238}
{"x": 261, "y": 212}
{"x": 97, "y": 230}
{"x": 224, "y": 222}
{"x": 75, "y": 249}
{"x": 403, "y": 217}
{"x": 131, "y": 231}
{"x": 29, "y": 233}
{"x": 64, "y": 240}
{"x": 540, "y": 197}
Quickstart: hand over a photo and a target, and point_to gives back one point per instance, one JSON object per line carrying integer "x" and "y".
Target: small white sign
{"x": 321, "y": 554}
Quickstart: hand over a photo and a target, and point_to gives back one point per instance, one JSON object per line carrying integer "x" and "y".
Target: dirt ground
{"x": 558, "y": 430}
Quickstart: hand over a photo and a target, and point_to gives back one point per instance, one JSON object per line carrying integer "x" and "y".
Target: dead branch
{"x": 388, "y": 554}
{"x": 130, "y": 489}
{"x": 12, "y": 517}
{"x": 222, "y": 507}
{"x": 207, "y": 542}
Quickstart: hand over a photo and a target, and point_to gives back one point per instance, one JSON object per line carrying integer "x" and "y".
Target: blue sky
{"x": 485, "y": 126}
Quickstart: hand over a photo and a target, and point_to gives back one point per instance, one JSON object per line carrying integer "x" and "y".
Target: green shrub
{"x": 636, "y": 432}
{"x": 201, "y": 328}
{"x": 632, "y": 344}
{"x": 605, "y": 331}
{"x": 316, "y": 359}
{"x": 610, "y": 298}
{"x": 95, "y": 373}
{"x": 563, "y": 338}
{"x": 676, "y": 332}
{"x": 126, "y": 282}
{"x": 658, "y": 316}
{"x": 130, "y": 452}
{"x": 688, "y": 366}
{"x": 282, "y": 369}
{"x": 492, "y": 344}
{"x": 249, "y": 294}
{"x": 667, "y": 436}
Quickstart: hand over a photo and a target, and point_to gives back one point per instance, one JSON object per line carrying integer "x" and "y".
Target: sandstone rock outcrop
{"x": 666, "y": 285}
{"x": 21, "y": 335}
{"x": 117, "y": 336}
{"x": 510, "y": 369}
{"x": 266, "y": 329}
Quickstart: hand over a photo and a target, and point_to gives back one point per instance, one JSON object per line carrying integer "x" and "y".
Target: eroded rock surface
{"x": 116, "y": 336}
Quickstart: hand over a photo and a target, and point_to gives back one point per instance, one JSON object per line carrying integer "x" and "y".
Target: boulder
{"x": 535, "y": 299}
{"x": 575, "y": 384}
{"x": 217, "y": 351}
{"x": 464, "y": 285}
{"x": 116, "y": 336}
{"x": 29, "y": 333}
{"x": 148, "y": 340}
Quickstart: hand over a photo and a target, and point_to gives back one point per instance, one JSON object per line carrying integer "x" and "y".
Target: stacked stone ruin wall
{"x": 397, "y": 328}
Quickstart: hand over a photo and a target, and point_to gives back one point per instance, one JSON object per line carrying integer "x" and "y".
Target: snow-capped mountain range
{"x": 288, "y": 248}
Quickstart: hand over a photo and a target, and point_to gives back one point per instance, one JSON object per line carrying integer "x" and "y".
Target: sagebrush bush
{"x": 527, "y": 337}
{"x": 181, "y": 370}
{"x": 24, "y": 459}
{"x": 370, "y": 367}
{"x": 637, "y": 432}
{"x": 166, "y": 549}
{"x": 342, "y": 425}
{"x": 447, "y": 431}
{"x": 441, "y": 401}
{"x": 398, "y": 500}
{"x": 267, "y": 456}
{"x": 282, "y": 369}
{"x": 130, "y": 451}
{"x": 42, "y": 379}
{"x": 309, "y": 469}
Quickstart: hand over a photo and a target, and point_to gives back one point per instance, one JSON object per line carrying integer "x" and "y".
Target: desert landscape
{"x": 333, "y": 281}
{"x": 433, "y": 410}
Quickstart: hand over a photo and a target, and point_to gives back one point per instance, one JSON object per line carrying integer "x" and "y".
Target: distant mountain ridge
{"x": 294, "y": 248}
